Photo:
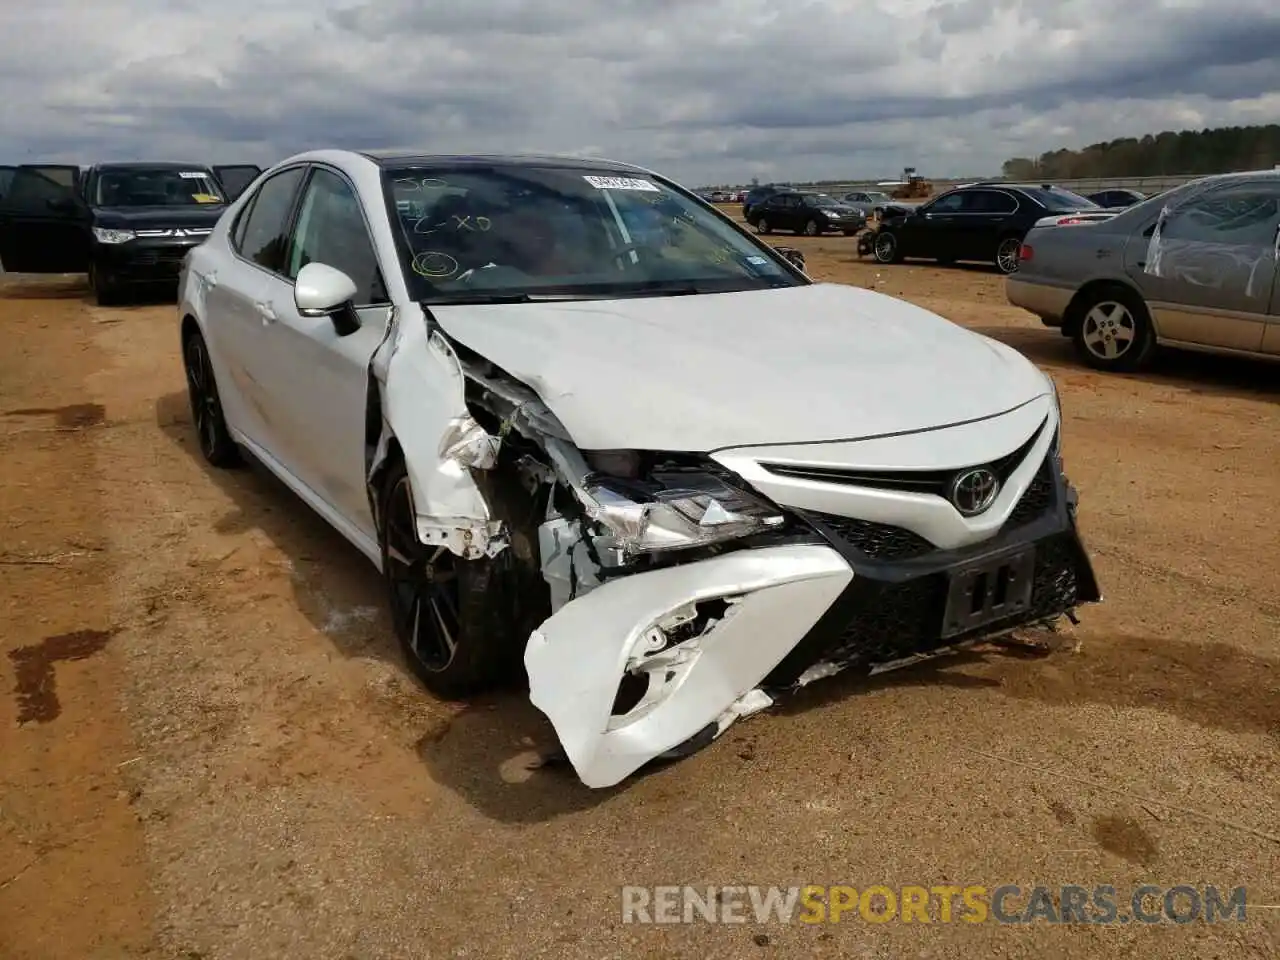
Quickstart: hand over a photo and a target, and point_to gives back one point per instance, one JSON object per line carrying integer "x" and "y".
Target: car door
{"x": 985, "y": 216}
{"x": 1209, "y": 269}
{"x": 44, "y": 225}
{"x": 316, "y": 380}
{"x": 236, "y": 178}
{"x": 235, "y": 288}
{"x": 1271, "y": 335}
{"x": 930, "y": 230}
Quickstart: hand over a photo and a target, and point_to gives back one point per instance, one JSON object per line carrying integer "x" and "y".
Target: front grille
{"x": 893, "y": 621}
{"x": 160, "y": 255}
{"x": 908, "y": 481}
{"x": 1038, "y": 498}
{"x": 879, "y": 541}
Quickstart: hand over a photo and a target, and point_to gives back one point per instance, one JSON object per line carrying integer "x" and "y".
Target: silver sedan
{"x": 1193, "y": 268}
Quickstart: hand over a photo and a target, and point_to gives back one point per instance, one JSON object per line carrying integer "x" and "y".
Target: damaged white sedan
{"x": 579, "y": 419}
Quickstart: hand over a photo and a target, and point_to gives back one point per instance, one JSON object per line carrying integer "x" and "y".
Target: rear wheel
{"x": 812, "y": 228}
{"x": 1114, "y": 331}
{"x": 1007, "y": 255}
{"x": 764, "y": 226}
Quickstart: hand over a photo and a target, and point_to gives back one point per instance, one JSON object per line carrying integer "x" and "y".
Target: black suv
{"x": 808, "y": 213}
{"x": 984, "y": 222}
{"x": 762, "y": 192}
{"x": 125, "y": 224}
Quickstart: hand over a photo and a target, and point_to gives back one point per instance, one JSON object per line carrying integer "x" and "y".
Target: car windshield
{"x": 820, "y": 200}
{"x": 476, "y": 232}
{"x": 156, "y": 187}
{"x": 1057, "y": 200}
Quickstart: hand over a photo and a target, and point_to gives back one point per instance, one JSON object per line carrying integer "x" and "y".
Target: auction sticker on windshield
{"x": 621, "y": 183}
{"x": 192, "y": 175}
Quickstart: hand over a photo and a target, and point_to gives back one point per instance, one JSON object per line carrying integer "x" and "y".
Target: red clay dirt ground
{"x": 210, "y": 748}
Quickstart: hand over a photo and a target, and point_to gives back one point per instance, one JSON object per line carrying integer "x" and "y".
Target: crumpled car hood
{"x": 699, "y": 373}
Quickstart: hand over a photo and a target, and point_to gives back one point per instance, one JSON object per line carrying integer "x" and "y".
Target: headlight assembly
{"x": 677, "y": 511}
{"x": 108, "y": 235}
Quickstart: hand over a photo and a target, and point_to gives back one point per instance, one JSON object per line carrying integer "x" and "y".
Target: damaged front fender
{"x": 698, "y": 671}
{"x": 424, "y": 412}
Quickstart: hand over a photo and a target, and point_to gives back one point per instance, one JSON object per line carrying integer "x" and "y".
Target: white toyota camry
{"x": 581, "y": 420}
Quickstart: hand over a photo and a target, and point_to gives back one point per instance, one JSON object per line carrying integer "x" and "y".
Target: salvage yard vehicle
{"x": 812, "y": 214}
{"x": 983, "y": 222}
{"x": 1193, "y": 268}
{"x": 124, "y": 224}
{"x": 563, "y": 407}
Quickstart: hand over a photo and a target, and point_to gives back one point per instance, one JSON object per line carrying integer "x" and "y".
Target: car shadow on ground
{"x": 497, "y": 750}
{"x": 35, "y": 286}
{"x": 1198, "y": 373}
{"x": 1212, "y": 685}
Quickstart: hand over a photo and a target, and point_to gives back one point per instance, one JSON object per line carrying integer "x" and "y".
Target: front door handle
{"x": 267, "y": 312}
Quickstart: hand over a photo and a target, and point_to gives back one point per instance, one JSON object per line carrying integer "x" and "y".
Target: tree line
{"x": 1219, "y": 150}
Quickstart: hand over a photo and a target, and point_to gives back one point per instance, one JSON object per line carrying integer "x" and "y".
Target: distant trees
{"x": 1220, "y": 150}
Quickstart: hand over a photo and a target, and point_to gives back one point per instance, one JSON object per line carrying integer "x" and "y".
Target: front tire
{"x": 1114, "y": 331}
{"x": 106, "y": 292}
{"x": 216, "y": 443}
{"x": 764, "y": 226}
{"x": 461, "y": 623}
{"x": 885, "y": 248}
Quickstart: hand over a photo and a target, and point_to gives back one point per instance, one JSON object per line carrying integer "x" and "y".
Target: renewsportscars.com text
{"x": 940, "y": 903}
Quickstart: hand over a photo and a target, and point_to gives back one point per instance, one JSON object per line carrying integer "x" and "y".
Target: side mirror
{"x": 794, "y": 256}
{"x": 322, "y": 291}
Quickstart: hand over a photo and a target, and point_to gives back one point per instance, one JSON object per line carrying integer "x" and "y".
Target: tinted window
{"x": 263, "y": 238}
{"x": 331, "y": 230}
{"x": 31, "y": 189}
{"x": 1057, "y": 200}
{"x": 989, "y": 201}
{"x": 1245, "y": 215}
{"x": 951, "y": 203}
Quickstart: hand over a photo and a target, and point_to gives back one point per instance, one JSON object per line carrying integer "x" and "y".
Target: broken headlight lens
{"x": 677, "y": 511}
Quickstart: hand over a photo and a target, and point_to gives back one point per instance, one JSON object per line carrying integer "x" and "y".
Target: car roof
{"x": 402, "y": 159}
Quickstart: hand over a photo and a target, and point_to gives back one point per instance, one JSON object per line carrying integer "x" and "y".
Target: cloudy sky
{"x": 708, "y": 91}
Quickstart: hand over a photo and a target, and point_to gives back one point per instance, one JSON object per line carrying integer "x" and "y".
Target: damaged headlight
{"x": 677, "y": 511}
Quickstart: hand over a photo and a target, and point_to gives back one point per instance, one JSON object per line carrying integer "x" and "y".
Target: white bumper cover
{"x": 577, "y": 658}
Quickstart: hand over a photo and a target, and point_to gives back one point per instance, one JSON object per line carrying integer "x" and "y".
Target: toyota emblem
{"x": 974, "y": 490}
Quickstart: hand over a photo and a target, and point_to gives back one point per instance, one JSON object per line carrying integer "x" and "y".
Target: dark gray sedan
{"x": 1194, "y": 268}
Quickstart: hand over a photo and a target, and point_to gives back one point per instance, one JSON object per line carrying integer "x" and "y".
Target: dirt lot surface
{"x": 209, "y": 747}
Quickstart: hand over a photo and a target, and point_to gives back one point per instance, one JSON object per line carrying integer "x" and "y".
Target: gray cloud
{"x": 706, "y": 90}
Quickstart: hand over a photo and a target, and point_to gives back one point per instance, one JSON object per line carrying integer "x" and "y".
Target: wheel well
{"x": 1074, "y": 314}
{"x": 189, "y": 326}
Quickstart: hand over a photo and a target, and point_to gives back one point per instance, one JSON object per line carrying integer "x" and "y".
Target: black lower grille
{"x": 1038, "y": 498}
{"x": 893, "y": 621}
{"x": 879, "y": 541}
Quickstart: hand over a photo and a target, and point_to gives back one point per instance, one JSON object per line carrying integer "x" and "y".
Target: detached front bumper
{"x": 711, "y": 641}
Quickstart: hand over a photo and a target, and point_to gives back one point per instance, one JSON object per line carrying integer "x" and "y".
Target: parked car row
{"x": 812, "y": 214}
{"x": 124, "y": 224}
